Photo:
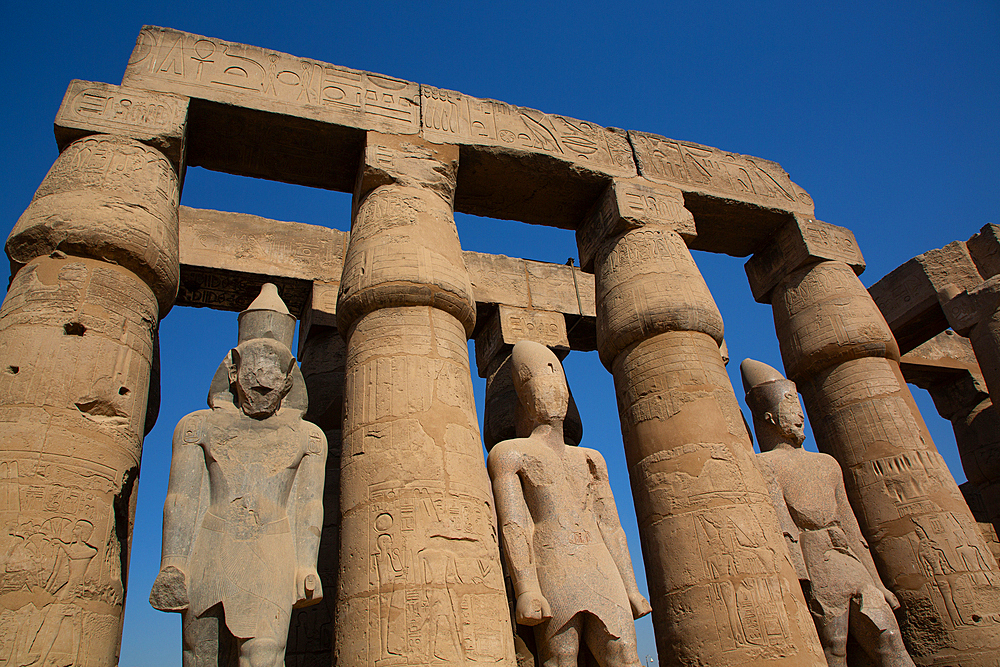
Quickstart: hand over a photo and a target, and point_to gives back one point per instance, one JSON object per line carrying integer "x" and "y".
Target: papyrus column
{"x": 420, "y": 577}
{"x": 837, "y": 347}
{"x": 96, "y": 263}
{"x": 721, "y": 584}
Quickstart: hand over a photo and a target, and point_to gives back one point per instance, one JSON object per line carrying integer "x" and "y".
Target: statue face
{"x": 545, "y": 395}
{"x": 790, "y": 420}
{"x": 262, "y": 376}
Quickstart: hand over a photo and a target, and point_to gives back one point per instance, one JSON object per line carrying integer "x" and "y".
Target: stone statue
{"x": 244, "y": 511}
{"x": 562, "y": 538}
{"x": 842, "y": 586}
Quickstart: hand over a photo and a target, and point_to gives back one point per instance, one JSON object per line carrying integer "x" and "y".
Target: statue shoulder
{"x": 596, "y": 460}
{"x": 191, "y": 427}
{"x": 506, "y": 456}
{"x": 315, "y": 438}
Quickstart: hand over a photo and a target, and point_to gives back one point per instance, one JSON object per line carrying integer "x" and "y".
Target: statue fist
{"x": 308, "y": 588}
{"x": 640, "y": 605}
{"x": 532, "y": 608}
{"x": 169, "y": 590}
{"x": 890, "y": 598}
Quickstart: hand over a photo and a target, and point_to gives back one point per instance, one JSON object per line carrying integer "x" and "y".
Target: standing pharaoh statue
{"x": 842, "y": 587}
{"x": 244, "y": 508}
{"x": 562, "y": 538}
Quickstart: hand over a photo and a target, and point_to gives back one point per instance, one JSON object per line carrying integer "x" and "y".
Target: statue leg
{"x": 207, "y": 641}
{"x": 608, "y": 650}
{"x": 833, "y": 636}
{"x": 562, "y": 648}
{"x": 262, "y": 652}
{"x": 874, "y": 627}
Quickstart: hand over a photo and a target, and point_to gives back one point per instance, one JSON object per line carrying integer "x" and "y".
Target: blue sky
{"x": 886, "y": 113}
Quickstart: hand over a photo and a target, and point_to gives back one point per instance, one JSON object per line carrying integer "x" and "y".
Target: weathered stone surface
{"x": 975, "y": 312}
{"x": 984, "y": 247}
{"x": 630, "y": 204}
{"x": 243, "y": 514}
{"x": 573, "y": 576}
{"x": 157, "y": 119}
{"x": 694, "y": 481}
{"x": 908, "y": 295}
{"x": 497, "y": 279}
{"x": 226, "y": 256}
{"x": 836, "y": 345}
{"x": 800, "y": 242}
{"x": 807, "y": 488}
{"x": 420, "y": 577}
{"x": 261, "y": 113}
{"x": 76, "y": 347}
{"x": 109, "y": 198}
{"x": 515, "y": 324}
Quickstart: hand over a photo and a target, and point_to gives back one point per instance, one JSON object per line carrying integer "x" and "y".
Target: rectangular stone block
{"x": 509, "y": 324}
{"x": 256, "y": 78}
{"x": 498, "y": 279}
{"x": 802, "y": 241}
{"x": 627, "y": 204}
{"x": 984, "y": 247}
{"x": 226, "y": 256}
{"x": 158, "y": 119}
{"x": 908, "y": 295}
{"x": 320, "y": 309}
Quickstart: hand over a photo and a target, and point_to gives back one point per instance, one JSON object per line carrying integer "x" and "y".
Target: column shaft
{"x": 420, "y": 578}
{"x": 722, "y": 586}
{"x": 97, "y": 258}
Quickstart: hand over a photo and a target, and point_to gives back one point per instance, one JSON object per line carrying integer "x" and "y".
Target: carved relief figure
{"x": 843, "y": 589}
{"x": 244, "y": 511}
{"x": 561, "y": 534}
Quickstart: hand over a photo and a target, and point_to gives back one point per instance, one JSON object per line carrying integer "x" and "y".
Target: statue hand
{"x": 640, "y": 605}
{"x": 170, "y": 591}
{"x": 532, "y": 608}
{"x": 890, "y": 598}
{"x": 308, "y": 588}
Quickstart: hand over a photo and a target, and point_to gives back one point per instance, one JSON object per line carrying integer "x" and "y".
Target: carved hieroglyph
{"x": 420, "y": 581}
{"x": 824, "y": 541}
{"x": 836, "y": 346}
{"x": 563, "y": 542}
{"x": 243, "y": 514}
{"x": 722, "y": 587}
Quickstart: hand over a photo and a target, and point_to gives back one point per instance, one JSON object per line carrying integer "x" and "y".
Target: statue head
{"x": 774, "y": 402}
{"x": 260, "y": 372}
{"x": 539, "y": 382}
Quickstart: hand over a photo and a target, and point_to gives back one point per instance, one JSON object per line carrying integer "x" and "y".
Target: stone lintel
{"x": 157, "y": 119}
{"x": 908, "y": 295}
{"x": 802, "y": 241}
{"x": 219, "y": 252}
{"x": 946, "y": 367}
{"x": 259, "y": 112}
{"x": 629, "y": 204}
{"x": 965, "y": 309}
{"x": 984, "y": 247}
{"x": 508, "y": 324}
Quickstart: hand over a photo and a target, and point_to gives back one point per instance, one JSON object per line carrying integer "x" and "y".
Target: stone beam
{"x": 226, "y": 256}
{"x": 257, "y": 112}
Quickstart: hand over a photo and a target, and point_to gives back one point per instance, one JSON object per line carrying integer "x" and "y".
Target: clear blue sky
{"x": 886, "y": 113}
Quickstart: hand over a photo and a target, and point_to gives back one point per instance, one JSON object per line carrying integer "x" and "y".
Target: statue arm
{"x": 785, "y": 521}
{"x": 856, "y": 540}
{"x": 612, "y": 532}
{"x": 180, "y": 515}
{"x": 516, "y": 533}
{"x": 309, "y": 480}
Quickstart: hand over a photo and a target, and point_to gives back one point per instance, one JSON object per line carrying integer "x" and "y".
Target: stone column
{"x": 96, "y": 262}
{"x": 420, "y": 578}
{"x": 946, "y": 367}
{"x": 976, "y": 313}
{"x": 721, "y": 584}
{"x": 837, "y": 347}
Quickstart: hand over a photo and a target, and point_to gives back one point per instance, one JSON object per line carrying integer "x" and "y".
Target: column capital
{"x": 408, "y": 161}
{"x": 630, "y": 203}
{"x": 156, "y": 119}
{"x": 802, "y": 241}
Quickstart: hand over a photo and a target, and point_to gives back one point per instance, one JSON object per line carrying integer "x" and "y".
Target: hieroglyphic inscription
{"x": 691, "y": 166}
{"x": 257, "y": 78}
{"x": 510, "y": 325}
{"x": 451, "y": 117}
{"x": 91, "y": 107}
{"x": 427, "y": 546}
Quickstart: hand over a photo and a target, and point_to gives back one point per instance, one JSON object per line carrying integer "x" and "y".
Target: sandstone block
{"x": 157, "y": 119}
{"x": 802, "y": 241}
{"x": 629, "y": 204}
{"x": 508, "y": 325}
{"x": 985, "y": 250}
